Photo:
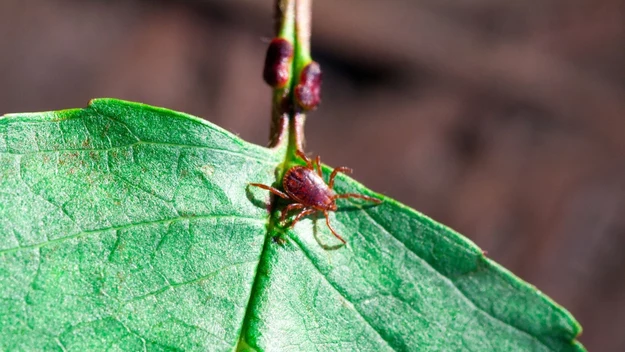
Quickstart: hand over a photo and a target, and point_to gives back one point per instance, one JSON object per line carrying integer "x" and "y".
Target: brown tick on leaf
{"x": 306, "y": 188}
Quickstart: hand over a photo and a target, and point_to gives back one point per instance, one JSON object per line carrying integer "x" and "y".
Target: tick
{"x": 305, "y": 187}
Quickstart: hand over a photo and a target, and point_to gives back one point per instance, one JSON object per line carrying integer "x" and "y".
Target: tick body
{"x": 305, "y": 187}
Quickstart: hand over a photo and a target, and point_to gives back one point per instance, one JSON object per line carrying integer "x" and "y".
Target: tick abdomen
{"x": 305, "y": 187}
{"x": 308, "y": 188}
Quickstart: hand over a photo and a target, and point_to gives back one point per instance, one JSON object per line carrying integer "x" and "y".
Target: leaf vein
{"x": 130, "y": 145}
{"x": 124, "y": 227}
{"x": 335, "y": 288}
{"x": 475, "y": 306}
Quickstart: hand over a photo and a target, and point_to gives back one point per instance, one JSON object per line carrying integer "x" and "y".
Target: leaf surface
{"x": 129, "y": 227}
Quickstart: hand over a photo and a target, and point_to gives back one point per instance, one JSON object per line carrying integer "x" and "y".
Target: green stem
{"x": 293, "y": 23}
{"x": 285, "y": 19}
{"x": 303, "y": 9}
{"x": 285, "y": 29}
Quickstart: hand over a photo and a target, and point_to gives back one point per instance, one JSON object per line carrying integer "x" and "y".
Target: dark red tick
{"x": 306, "y": 188}
{"x": 278, "y": 63}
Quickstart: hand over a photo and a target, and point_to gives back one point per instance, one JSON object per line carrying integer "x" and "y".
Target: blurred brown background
{"x": 504, "y": 119}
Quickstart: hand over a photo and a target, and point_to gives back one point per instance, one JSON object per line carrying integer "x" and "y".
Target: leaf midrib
{"x": 256, "y": 287}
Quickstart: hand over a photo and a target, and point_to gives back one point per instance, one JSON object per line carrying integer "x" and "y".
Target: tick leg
{"x": 325, "y": 213}
{"x": 271, "y": 189}
{"x": 342, "y": 169}
{"x": 356, "y": 195}
{"x": 306, "y": 211}
{"x": 288, "y": 208}
{"x": 318, "y": 162}
{"x": 303, "y": 156}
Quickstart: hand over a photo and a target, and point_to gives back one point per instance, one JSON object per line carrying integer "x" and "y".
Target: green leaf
{"x": 128, "y": 227}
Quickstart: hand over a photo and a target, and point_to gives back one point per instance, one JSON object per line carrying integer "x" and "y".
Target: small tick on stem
{"x": 306, "y": 188}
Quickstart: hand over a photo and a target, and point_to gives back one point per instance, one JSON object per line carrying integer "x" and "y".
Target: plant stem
{"x": 303, "y": 9}
{"x": 285, "y": 29}
{"x": 293, "y": 23}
